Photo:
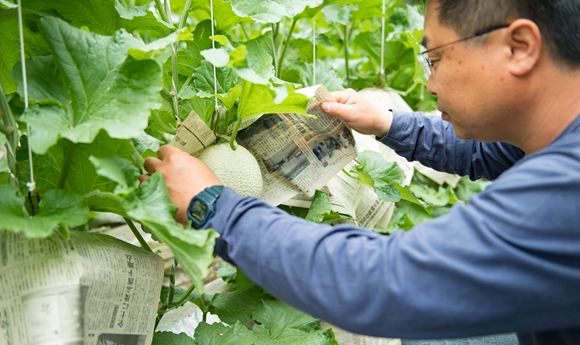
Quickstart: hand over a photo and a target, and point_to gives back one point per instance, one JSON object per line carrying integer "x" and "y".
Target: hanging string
{"x": 213, "y": 46}
{"x": 382, "y": 73}
{"x": 314, "y": 50}
{"x": 31, "y": 185}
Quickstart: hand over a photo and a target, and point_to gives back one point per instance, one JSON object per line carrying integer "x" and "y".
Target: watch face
{"x": 198, "y": 210}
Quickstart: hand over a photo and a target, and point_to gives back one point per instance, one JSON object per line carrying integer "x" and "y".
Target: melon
{"x": 237, "y": 169}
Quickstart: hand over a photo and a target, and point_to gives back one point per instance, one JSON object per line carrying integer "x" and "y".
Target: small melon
{"x": 237, "y": 169}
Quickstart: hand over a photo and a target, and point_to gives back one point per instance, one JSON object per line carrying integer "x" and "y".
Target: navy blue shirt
{"x": 508, "y": 261}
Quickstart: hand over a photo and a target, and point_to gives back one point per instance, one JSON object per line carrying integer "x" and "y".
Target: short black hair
{"x": 558, "y": 21}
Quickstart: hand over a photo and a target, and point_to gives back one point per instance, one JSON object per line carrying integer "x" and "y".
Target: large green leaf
{"x": 190, "y": 58}
{"x": 335, "y": 14}
{"x": 118, "y": 170}
{"x": 102, "y": 16}
{"x": 438, "y": 197}
{"x": 466, "y": 188}
{"x": 34, "y": 44}
{"x": 321, "y": 209}
{"x": 151, "y": 206}
{"x": 269, "y": 11}
{"x": 108, "y": 90}
{"x": 282, "y": 324}
{"x": 379, "y": 174}
{"x": 168, "y": 338}
{"x": 218, "y": 334}
{"x": 56, "y": 207}
{"x": 261, "y": 99}
{"x": 325, "y": 75}
{"x": 82, "y": 177}
{"x": 236, "y": 305}
{"x": 224, "y": 16}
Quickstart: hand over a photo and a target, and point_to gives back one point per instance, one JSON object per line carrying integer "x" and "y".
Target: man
{"x": 509, "y": 261}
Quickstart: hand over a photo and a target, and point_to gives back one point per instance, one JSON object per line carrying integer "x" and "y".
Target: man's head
{"x": 558, "y": 21}
{"x": 489, "y": 87}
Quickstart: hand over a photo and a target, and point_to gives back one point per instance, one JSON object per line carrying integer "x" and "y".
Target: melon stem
{"x": 235, "y": 134}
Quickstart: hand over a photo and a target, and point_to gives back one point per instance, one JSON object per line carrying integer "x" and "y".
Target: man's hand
{"x": 185, "y": 176}
{"x": 359, "y": 113}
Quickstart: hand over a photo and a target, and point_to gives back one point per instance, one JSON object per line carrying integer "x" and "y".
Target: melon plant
{"x": 104, "y": 83}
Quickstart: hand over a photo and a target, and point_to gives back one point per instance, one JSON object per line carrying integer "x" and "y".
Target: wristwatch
{"x": 202, "y": 207}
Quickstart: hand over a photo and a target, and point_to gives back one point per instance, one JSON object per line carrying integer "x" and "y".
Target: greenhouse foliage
{"x": 109, "y": 81}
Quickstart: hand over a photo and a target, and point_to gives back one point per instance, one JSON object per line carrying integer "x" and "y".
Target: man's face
{"x": 468, "y": 78}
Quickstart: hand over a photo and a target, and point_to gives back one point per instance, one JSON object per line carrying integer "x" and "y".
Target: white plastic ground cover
{"x": 392, "y": 100}
{"x": 185, "y": 319}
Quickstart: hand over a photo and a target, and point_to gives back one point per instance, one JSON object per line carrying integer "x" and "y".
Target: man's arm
{"x": 432, "y": 141}
{"x": 427, "y": 139}
{"x": 499, "y": 264}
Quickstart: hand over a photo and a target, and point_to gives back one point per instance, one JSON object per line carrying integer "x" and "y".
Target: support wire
{"x": 32, "y": 184}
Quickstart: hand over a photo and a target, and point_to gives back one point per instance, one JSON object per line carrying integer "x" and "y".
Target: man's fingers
{"x": 151, "y": 164}
{"x": 143, "y": 178}
{"x": 332, "y": 108}
{"x": 166, "y": 150}
{"x": 343, "y": 96}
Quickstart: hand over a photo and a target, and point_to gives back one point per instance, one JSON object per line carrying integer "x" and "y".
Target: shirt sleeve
{"x": 508, "y": 261}
{"x": 431, "y": 141}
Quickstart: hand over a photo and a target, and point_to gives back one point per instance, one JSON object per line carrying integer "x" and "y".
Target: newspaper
{"x": 350, "y": 197}
{"x": 93, "y": 290}
{"x": 193, "y": 134}
{"x": 305, "y": 151}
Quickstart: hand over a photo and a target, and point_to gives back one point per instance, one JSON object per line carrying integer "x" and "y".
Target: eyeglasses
{"x": 426, "y": 63}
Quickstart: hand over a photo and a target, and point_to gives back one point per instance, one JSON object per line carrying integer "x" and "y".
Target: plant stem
{"x": 162, "y": 124}
{"x": 171, "y": 283}
{"x": 224, "y": 137}
{"x": 346, "y": 55}
{"x": 235, "y": 134}
{"x": 184, "y": 15}
{"x": 8, "y": 122}
{"x": 66, "y": 165}
{"x": 286, "y": 47}
{"x": 161, "y": 10}
{"x": 137, "y": 234}
{"x": 274, "y": 34}
{"x": 186, "y": 84}
{"x": 7, "y": 132}
{"x": 184, "y": 296}
{"x": 245, "y": 31}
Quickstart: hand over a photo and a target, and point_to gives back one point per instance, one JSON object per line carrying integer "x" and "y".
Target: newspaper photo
{"x": 91, "y": 290}
{"x": 306, "y": 151}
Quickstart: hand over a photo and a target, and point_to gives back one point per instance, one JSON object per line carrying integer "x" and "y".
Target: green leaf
{"x": 260, "y": 99}
{"x": 218, "y": 334}
{"x": 236, "y": 305}
{"x": 219, "y": 57}
{"x": 282, "y": 324}
{"x": 373, "y": 166}
{"x": 221, "y": 39}
{"x": 227, "y": 90}
{"x": 56, "y": 207}
{"x": 267, "y": 11}
{"x": 44, "y": 81}
{"x": 325, "y": 75}
{"x": 466, "y": 188}
{"x": 82, "y": 177}
{"x": 168, "y": 338}
{"x": 103, "y": 82}
{"x": 407, "y": 195}
{"x": 321, "y": 210}
{"x": 145, "y": 142}
{"x": 34, "y": 44}
{"x": 440, "y": 197}
{"x": 224, "y": 16}
{"x": 151, "y": 206}
{"x": 7, "y": 4}
{"x": 118, "y": 170}
{"x": 4, "y": 178}
{"x": 259, "y": 60}
{"x": 160, "y": 49}
{"x": 335, "y": 14}
{"x": 103, "y": 16}
{"x": 227, "y": 273}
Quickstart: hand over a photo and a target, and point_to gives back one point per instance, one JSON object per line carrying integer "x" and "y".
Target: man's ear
{"x": 525, "y": 41}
